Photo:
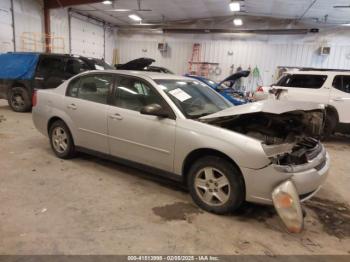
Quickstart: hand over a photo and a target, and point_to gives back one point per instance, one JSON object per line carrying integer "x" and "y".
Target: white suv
{"x": 329, "y": 87}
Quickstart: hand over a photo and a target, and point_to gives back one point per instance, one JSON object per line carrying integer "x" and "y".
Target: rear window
{"x": 302, "y": 81}
{"x": 342, "y": 83}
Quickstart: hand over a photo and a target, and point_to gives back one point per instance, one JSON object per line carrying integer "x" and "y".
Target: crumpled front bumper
{"x": 307, "y": 179}
{"x": 287, "y": 187}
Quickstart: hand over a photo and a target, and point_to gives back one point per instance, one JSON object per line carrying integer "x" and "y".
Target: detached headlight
{"x": 287, "y": 204}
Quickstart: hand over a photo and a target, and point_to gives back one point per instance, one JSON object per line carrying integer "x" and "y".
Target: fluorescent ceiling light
{"x": 119, "y": 10}
{"x": 107, "y": 2}
{"x": 235, "y": 6}
{"x": 135, "y": 17}
{"x": 237, "y": 22}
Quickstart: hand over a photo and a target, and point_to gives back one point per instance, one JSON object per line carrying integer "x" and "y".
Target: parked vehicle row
{"x": 329, "y": 87}
{"x": 186, "y": 128}
{"x": 265, "y": 152}
{"x": 22, "y": 73}
{"x": 235, "y": 97}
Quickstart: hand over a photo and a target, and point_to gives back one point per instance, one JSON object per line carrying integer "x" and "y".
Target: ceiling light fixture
{"x": 235, "y": 6}
{"x": 119, "y": 10}
{"x": 135, "y": 17}
{"x": 237, "y": 22}
{"x": 107, "y": 2}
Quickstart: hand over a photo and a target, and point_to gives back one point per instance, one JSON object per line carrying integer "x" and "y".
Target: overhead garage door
{"x": 87, "y": 38}
{"x": 6, "y": 33}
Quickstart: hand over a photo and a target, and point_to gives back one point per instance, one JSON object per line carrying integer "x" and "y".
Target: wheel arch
{"x": 53, "y": 120}
{"x": 201, "y": 152}
{"x": 18, "y": 84}
{"x": 332, "y": 110}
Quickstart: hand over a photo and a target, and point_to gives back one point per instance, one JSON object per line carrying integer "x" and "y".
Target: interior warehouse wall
{"x": 265, "y": 52}
{"x": 87, "y": 36}
{"x": 28, "y": 17}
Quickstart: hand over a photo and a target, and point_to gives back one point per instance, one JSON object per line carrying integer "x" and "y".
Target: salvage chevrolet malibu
{"x": 265, "y": 152}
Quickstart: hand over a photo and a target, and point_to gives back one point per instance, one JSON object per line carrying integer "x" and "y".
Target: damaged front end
{"x": 288, "y": 139}
{"x": 291, "y": 141}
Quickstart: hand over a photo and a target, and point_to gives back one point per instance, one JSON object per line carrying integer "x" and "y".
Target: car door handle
{"x": 116, "y": 116}
{"x": 338, "y": 99}
{"x": 39, "y": 78}
{"x": 72, "y": 106}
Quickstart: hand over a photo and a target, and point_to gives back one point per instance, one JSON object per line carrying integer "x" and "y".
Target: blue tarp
{"x": 18, "y": 66}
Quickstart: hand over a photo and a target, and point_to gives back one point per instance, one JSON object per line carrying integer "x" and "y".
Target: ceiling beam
{"x": 50, "y": 4}
{"x": 237, "y": 31}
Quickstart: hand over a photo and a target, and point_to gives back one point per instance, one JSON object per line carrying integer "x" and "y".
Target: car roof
{"x": 152, "y": 75}
{"x": 318, "y": 72}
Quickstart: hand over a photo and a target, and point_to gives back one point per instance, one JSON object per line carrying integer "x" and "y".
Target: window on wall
{"x": 342, "y": 83}
{"x": 133, "y": 93}
{"x": 93, "y": 88}
{"x": 302, "y": 81}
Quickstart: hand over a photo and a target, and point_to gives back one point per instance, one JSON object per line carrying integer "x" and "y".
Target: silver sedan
{"x": 265, "y": 152}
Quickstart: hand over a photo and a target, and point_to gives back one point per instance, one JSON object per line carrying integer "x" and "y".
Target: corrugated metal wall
{"x": 28, "y": 17}
{"x": 60, "y": 29}
{"x": 87, "y": 38}
{"x": 87, "y": 35}
{"x": 266, "y": 55}
{"x": 6, "y": 35}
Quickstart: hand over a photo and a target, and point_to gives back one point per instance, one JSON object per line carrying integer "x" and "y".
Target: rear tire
{"x": 61, "y": 140}
{"x": 216, "y": 185}
{"x": 331, "y": 123}
{"x": 19, "y": 99}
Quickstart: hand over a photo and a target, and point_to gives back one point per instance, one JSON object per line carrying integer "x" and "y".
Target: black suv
{"x": 48, "y": 71}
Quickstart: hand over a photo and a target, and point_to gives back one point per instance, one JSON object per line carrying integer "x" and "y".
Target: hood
{"x": 234, "y": 77}
{"x": 266, "y": 106}
{"x": 136, "y": 64}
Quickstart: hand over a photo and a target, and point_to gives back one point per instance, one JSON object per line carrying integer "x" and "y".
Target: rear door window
{"x": 73, "y": 87}
{"x": 95, "y": 88}
{"x": 342, "y": 83}
{"x": 302, "y": 81}
{"x": 75, "y": 66}
{"x": 51, "y": 66}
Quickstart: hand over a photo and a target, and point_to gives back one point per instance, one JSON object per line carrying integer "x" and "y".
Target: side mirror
{"x": 154, "y": 110}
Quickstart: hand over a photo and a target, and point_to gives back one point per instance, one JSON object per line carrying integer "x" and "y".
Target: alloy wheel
{"x": 59, "y": 140}
{"x": 17, "y": 101}
{"x": 212, "y": 186}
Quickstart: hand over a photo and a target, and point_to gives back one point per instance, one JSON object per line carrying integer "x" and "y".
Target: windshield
{"x": 193, "y": 98}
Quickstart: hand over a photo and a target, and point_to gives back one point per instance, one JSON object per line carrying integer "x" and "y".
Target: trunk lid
{"x": 136, "y": 64}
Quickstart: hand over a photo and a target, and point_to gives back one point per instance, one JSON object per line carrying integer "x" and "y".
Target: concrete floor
{"x": 92, "y": 206}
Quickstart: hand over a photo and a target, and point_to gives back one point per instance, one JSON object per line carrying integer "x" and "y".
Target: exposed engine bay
{"x": 290, "y": 138}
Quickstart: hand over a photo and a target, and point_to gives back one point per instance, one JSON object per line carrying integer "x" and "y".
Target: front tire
{"x": 61, "y": 140}
{"x": 216, "y": 185}
{"x": 19, "y": 99}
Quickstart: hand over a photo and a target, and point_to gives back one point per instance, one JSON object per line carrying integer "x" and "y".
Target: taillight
{"x": 260, "y": 89}
{"x": 34, "y": 98}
